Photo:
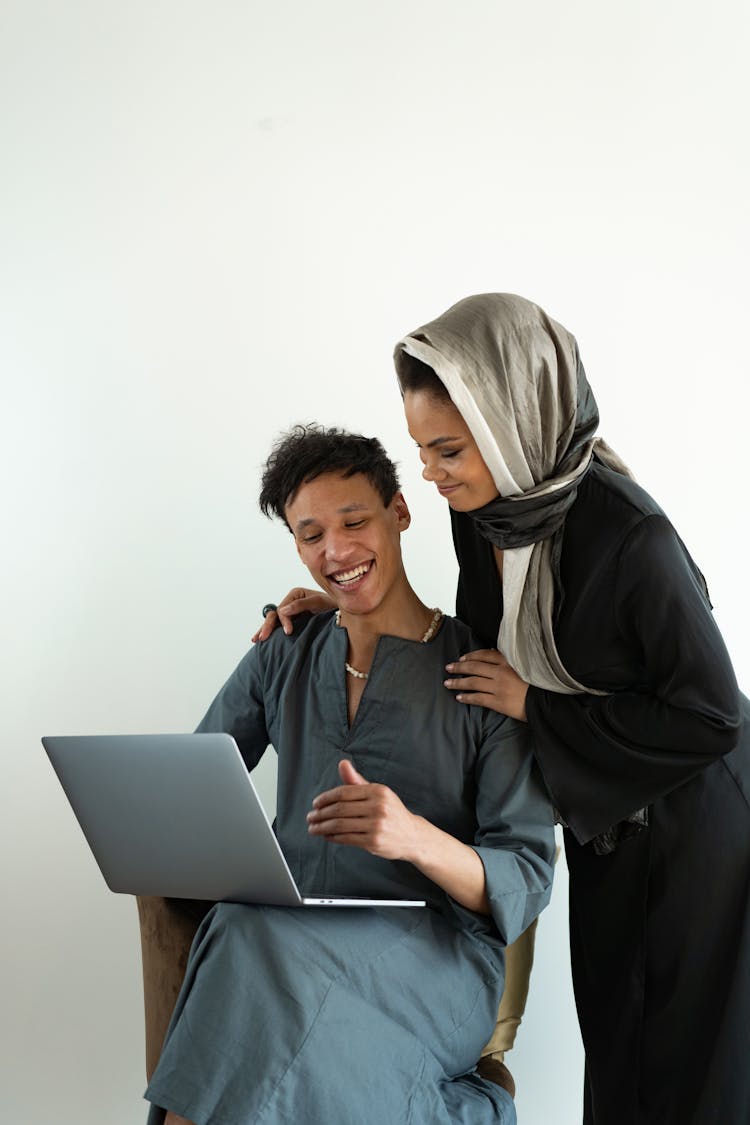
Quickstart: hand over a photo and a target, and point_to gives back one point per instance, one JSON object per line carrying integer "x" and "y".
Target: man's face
{"x": 348, "y": 539}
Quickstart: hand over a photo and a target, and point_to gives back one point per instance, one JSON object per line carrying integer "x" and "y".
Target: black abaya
{"x": 660, "y": 928}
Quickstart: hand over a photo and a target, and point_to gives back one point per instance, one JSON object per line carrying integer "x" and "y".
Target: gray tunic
{"x": 371, "y": 1015}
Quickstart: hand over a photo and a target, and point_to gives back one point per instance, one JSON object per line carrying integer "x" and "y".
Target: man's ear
{"x": 403, "y": 515}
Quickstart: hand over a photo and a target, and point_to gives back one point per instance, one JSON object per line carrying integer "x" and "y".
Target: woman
{"x": 607, "y": 647}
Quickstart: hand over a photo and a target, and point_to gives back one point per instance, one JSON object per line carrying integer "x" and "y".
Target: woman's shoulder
{"x": 608, "y": 511}
{"x": 608, "y": 506}
{"x": 604, "y": 488}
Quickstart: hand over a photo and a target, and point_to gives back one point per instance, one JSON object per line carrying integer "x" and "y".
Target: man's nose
{"x": 338, "y": 547}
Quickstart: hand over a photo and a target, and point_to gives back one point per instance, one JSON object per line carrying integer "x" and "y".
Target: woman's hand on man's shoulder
{"x": 298, "y": 600}
{"x": 485, "y": 678}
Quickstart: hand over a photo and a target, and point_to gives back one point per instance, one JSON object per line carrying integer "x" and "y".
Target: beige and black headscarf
{"x": 516, "y": 378}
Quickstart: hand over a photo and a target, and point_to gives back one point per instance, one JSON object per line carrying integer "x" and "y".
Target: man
{"x": 385, "y": 788}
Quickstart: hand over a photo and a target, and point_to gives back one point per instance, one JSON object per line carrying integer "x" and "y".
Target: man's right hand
{"x": 296, "y": 601}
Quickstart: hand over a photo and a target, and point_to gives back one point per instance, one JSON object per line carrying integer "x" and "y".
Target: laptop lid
{"x": 178, "y": 815}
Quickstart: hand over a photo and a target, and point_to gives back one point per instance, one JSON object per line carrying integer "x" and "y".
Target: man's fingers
{"x": 353, "y": 839}
{"x": 340, "y": 825}
{"x": 341, "y": 793}
{"x": 349, "y": 775}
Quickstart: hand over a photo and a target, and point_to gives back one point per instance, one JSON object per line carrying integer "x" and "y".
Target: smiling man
{"x": 388, "y": 788}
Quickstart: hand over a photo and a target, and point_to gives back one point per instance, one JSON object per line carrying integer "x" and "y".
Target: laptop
{"x": 178, "y": 815}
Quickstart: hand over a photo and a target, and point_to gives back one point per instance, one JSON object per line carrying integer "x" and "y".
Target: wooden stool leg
{"x": 167, "y": 930}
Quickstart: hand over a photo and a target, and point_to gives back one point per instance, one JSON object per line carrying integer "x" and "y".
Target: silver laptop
{"x": 178, "y": 815}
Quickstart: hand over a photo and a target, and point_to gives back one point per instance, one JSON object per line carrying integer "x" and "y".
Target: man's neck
{"x": 404, "y": 616}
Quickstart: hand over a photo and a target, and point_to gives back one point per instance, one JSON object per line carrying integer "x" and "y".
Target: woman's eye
{"x": 453, "y": 453}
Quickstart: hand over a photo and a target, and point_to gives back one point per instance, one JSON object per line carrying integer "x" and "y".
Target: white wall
{"x": 216, "y": 220}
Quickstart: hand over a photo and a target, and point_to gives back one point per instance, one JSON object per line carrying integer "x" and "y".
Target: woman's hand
{"x": 296, "y": 601}
{"x": 366, "y": 816}
{"x": 486, "y": 678}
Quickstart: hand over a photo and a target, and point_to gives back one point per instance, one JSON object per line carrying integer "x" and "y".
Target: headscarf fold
{"x": 516, "y": 377}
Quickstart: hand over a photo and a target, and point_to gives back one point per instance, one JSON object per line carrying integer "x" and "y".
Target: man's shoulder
{"x": 457, "y": 634}
{"x": 308, "y": 630}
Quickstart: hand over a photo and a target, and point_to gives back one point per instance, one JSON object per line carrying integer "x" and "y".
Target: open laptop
{"x": 178, "y": 815}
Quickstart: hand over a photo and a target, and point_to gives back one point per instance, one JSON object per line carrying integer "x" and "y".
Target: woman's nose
{"x": 433, "y": 472}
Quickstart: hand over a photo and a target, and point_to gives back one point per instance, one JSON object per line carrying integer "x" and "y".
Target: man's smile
{"x": 345, "y": 578}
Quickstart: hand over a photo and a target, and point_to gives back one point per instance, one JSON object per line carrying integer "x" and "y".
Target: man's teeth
{"x": 347, "y": 576}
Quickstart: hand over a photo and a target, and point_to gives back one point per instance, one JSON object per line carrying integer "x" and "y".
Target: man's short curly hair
{"x": 306, "y": 452}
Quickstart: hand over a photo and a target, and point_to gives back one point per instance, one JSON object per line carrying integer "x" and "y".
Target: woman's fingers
{"x": 298, "y": 600}
{"x": 479, "y": 658}
{"x": 474, "y": 668}
{"x": 471, "y": 683}
{"x": 270, "y": 621}
{"x": 481, "y": 699}
{"x": 489, "y": 655}
{"x": 292, "y": 604}
{"x": 485, "y": 679}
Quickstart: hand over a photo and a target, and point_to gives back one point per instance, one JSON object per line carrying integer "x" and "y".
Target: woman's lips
{"x": 447, "y": 489}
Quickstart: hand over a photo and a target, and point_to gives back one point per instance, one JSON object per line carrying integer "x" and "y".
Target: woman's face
{"x": 450, "y": 455}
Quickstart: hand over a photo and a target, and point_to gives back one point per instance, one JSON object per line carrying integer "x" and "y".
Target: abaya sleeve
{"x": 643, "y": 628}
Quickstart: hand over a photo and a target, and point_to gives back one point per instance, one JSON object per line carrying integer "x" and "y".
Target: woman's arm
{"x": 603, "y": 757}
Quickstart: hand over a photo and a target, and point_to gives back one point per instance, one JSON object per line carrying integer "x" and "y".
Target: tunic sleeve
{"x": 515, "y": 837}
{"x": 604, "y": 757}
{"x": 239, "y": 709}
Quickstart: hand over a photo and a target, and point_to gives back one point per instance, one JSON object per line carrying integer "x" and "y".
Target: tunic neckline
{"x": 380, "y": 674}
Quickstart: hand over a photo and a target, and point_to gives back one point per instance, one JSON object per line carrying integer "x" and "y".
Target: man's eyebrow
{"x": 301, "y": 524}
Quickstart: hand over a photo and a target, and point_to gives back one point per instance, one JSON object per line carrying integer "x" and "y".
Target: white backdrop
{"x": 216, "y": 219}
